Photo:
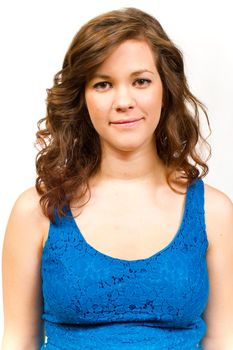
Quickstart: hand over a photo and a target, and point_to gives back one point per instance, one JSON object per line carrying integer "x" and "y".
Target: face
{"x": 126, "y": 87}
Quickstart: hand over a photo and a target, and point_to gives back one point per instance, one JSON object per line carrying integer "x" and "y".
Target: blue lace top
{"x": 95, "y": 301}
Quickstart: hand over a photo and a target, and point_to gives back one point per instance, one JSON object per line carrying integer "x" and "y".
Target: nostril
{"x": 123, "y": 107}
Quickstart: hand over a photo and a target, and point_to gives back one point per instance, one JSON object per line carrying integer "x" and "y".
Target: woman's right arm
{"x": 21, "y": 266}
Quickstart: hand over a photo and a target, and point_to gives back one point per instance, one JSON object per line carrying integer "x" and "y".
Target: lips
{"x": 123, "y": 121}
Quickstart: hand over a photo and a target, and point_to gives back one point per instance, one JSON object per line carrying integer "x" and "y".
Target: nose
{"x": 123, "y": 100}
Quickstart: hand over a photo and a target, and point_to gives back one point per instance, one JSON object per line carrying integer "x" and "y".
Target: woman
{"x": 120, "y": 245}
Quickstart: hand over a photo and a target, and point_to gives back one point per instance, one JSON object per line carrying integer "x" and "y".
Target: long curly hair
{"x": 69, "y": 146}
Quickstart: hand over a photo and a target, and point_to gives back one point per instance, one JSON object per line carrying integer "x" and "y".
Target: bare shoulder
{"x": 28, "y": 198}
{"x": 28, "y": 203}
{"x": 27, "y": 212}
{"x": 217, "y": 202}
{"x": 218, "y": 213}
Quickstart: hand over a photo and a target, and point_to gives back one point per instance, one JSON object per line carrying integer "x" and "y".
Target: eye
{"x": 102, "y": 85}
{"x": 141, "y": 82}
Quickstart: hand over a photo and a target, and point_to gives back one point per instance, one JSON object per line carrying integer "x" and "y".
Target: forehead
{"x": 132, "y": 54}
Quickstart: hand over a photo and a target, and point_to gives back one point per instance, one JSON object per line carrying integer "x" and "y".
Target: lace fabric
{"x": 93, "y": 300}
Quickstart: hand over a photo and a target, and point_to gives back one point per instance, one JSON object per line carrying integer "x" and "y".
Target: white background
{"x": 34, "y": 38}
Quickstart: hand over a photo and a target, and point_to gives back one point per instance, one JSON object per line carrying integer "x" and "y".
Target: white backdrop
{"x": 34, "y": 38}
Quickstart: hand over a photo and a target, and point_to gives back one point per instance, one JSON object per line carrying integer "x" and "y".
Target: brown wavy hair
{"x": 70, "y": 151}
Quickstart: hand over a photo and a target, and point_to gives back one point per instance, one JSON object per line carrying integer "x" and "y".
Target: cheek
{"x": 96, "y": 105}
{"x": 90, "y": 103}
{"x": 98, "y": 112}
{"x": 152, "y": 101}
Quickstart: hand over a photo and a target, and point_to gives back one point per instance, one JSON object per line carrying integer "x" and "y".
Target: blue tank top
{"x": 95, "y": 301}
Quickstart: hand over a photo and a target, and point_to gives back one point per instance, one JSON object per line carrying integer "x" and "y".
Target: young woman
{"x": 120, "y": 245}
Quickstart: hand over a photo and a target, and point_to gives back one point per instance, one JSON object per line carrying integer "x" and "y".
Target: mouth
{"x": 126, "y": 123}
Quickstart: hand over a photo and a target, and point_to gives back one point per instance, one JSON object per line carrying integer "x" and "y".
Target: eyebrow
{"x": 138, "y": 72}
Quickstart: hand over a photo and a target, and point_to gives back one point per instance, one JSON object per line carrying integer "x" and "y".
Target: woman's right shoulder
{"x": 28, "y": 202}
{"x": 27, "y": 213}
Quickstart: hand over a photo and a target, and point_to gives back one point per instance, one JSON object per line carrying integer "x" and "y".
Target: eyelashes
{"x": 101, "y": 85}
{"x": 104, "y": 85}
{"x": 143, "y": 82}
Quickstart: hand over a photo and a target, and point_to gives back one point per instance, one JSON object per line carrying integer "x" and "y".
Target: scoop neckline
{"x": 146, "y": 259}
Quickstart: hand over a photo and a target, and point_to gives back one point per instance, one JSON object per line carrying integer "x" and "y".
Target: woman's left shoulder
{"x": 218, "y": 214}
{"x": 216, "y": 201}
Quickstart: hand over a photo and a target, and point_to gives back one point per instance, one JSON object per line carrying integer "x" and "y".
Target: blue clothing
{"x": 95, "y": 301}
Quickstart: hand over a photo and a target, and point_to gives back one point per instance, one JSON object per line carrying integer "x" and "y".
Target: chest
{"x": 130, "y": 228}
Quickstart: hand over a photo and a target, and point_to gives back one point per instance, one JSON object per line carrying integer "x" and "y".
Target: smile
{"x": 125, "y": 124}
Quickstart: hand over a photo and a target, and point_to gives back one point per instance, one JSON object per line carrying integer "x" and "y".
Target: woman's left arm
{"x": 219, "y": 311}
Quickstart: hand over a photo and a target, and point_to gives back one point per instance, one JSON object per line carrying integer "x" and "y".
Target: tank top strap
{"x": 59, "y": 230}
{"x": 196, "y": 197}
{"x": 196, "y": 211}
{"x": 61, "y": 221}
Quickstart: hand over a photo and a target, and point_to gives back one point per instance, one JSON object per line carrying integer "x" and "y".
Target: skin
{"x": 130, "y": 163}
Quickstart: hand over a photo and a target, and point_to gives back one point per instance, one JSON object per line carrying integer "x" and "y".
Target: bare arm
{"x": 219, "y": 311}
{"x": 21, "y": 263}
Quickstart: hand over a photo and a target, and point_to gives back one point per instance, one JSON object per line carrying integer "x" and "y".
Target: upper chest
{"x": 132, "y": 224}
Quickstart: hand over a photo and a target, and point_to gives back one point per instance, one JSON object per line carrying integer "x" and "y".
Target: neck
{"x": 132, "y": 167}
